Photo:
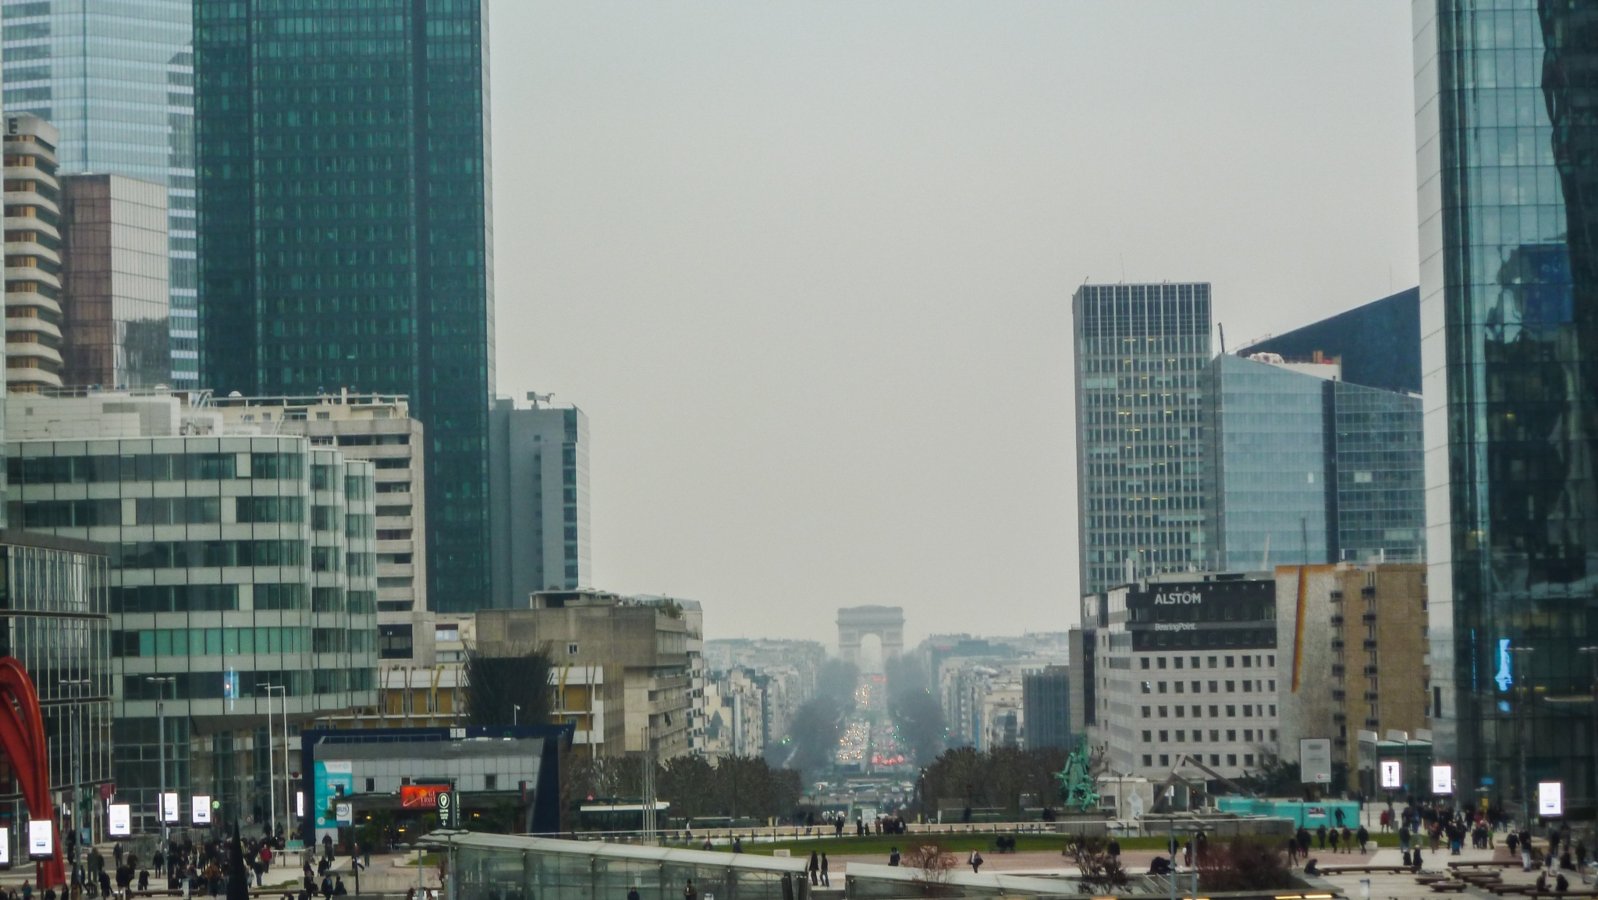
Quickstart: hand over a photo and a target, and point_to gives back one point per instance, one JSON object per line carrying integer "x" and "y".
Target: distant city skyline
{"x": 808, "y": 269}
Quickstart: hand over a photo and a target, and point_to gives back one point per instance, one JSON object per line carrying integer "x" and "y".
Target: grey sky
{"x": 807, "y": 266}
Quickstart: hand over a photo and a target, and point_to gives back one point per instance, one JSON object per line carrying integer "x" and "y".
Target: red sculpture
{"x": 22, "y": 739}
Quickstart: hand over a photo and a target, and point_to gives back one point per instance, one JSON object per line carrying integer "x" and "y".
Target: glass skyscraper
{"x": 1141, "y": 350}
{"x": 345, "y": 241}
{"x": 115, "y": 77}
{"x": 1506, "y": 94}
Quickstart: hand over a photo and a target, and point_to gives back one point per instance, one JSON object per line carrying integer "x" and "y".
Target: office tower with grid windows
{"x": 1141, "y": 351}
{"x": 344, "y": 210}
{"x": 1508, "y": 200}
{"x": 115, "y": 79}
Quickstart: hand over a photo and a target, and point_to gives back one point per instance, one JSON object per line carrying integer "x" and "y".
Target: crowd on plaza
{"x": 192, "y": 869}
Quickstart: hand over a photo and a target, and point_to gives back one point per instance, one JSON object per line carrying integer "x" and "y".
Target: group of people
{"x": 818, "y": 869}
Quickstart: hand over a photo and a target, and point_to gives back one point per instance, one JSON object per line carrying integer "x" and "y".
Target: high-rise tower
{"x": 1506, "y": 97}
{"x": 344, "y": 215}
{"x": 1141, "y": 350}
{"x": 115, "y": 78}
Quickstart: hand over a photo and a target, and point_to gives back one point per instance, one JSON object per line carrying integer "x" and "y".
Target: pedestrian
{"x": 1114, "y": 849}
{"x": 814, "y": 868}
{"x": 688, "y": 892}
{"x": 976, "y": 861}
{"x": 893, "y": 856}
{"x": 825, "y": 881}
{"x": 1363, "y": 836}
{"x": 1292, "y": 852}
{"x": 632, "y": 893}
{"x": 1320, "y": 836}
{"x": 1335, "y": 838}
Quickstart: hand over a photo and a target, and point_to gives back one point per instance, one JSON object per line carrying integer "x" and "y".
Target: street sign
{"x": 1442, "y": 779}
{"x": 344, "y": 813}
{"x": 1392, "y": 775}
{"x": 449, "y": 816}
{"x": 1550, "y": 798}
{"x": 1315, "y": 760}
{"x": 121, "y": 820}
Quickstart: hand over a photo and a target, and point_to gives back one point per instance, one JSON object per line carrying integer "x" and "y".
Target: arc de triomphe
{"x": 855, "y": 622}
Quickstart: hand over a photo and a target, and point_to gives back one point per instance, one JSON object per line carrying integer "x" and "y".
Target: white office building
{"x": 1184, "y": 674}
{"x": 242, "y": 582}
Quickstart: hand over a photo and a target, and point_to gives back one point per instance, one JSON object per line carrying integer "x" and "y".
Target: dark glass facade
{"x": 1507, "y": 92}
{"x": 343, "y": 170}
{"x": 1141, "y": 351}
{"x": 1378, "y": 343}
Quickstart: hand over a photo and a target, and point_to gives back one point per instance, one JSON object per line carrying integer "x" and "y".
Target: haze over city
{"x": 808, "y": 268}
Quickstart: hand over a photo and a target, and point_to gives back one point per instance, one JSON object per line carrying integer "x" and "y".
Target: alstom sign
{"x": 1178, "y": 598}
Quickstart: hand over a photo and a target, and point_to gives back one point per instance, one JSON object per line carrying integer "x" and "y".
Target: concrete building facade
{"x": 34, "y": 300}
{"x": 637, "y": 654}
{"x": 1353, "y": 658}
{"x": 237, "y": 561}
{"x": 1185, "y": 669}
{"x": 377, "y": 428}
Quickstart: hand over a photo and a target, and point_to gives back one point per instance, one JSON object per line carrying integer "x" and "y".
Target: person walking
{"x": 688, "y": 892}
{"x": 1362, "y": 836}
{"x": 976, "y": 861}
{"x": 814, "y": 868}
{"x": 826, "y": 882}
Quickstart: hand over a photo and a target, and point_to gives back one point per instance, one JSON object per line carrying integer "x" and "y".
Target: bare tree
{"x": 933, "y": 866}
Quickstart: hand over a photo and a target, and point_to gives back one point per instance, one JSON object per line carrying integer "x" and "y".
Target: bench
{"x": 1335, "y": 870}
{"x": 1484, "y": 864}
{"x": 1447, "y": 887}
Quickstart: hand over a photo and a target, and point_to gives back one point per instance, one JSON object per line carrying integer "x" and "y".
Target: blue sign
{"x": 1505, "y": 676}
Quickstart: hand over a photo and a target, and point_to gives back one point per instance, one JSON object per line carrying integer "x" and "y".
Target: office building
{"x": 378, "y": 428}
{"x": 1377, "y": 345}
{"x": 34, "y": 318}
{"x": 1308, "y": 468}
{"x": 1509, "y": 325}
{"x": 538, "y": 471}
{"x": 1186, "y": 669}
{"x": 1046, "y": 708}
{"x": 1353, "y": 658}
{"x": 345, "y": 236}
{"x": 114, "y": 231}
{"x": 53, "y": 620}
{"x": 237, "y": 561}
{"x": 116, "y": 78}
{"x": 1140, "y": 352}
{"x": 1269, "y": 461}
{"x": 635, "y": 654}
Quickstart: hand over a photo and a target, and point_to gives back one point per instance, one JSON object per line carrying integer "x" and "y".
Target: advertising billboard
{"x": 421, "y": 796}
{"x": 5, "y": 847}
{"x": 1392, "y": 775}
{"x": 200, "y": 809}
{"x": 1315, "y": 760}
{"x": 119, "y": 820}
{"x": 1235, "y": 614}
{"x": 41, "y": 839}
{"x": 1550, "y": 798}
{"x": 1442, "y": 779}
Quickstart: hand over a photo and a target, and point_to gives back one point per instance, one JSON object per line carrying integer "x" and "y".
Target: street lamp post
{"x": 75, "y": 745}
{"x": 161, "y": 681}
{"x": 1591, "y": 652}
{"x": 515, "y": 714}
{"x": 271, "y": 758}
{"x": 1525, "y": 699}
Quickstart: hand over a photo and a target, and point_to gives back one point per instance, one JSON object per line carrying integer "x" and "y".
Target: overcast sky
{"x": 807, "y": 266}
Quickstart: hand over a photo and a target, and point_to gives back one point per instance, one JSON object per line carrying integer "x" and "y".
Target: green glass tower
{"x": 1506, "y": 93}
{"x": 345, "y": 228}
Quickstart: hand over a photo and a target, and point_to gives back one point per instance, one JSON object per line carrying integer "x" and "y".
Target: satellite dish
{"x": 1136, "y": 803}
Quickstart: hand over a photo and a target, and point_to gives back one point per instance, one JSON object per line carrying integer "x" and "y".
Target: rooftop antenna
{"x": 1222, "y": 329}
{"x": 538, "y": 398}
